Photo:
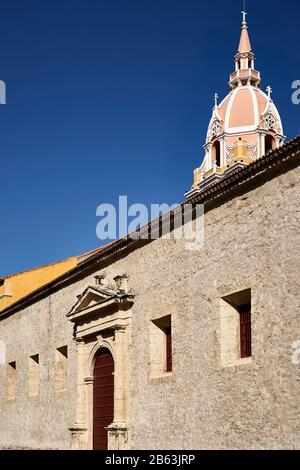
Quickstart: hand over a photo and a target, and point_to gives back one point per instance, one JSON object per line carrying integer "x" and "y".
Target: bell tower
{"x": 244, "y": 126}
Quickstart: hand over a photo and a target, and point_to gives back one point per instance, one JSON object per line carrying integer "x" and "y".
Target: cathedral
{"x": 142, "y": 344}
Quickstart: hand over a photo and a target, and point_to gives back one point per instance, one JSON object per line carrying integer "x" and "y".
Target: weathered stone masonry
{"x": 251, "y": 242}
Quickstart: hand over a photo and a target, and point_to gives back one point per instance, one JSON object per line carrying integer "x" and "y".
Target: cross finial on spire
{"x": 244, "y": 13}
{"x": 269, "y": 91}
{"x": 216, "y": 99}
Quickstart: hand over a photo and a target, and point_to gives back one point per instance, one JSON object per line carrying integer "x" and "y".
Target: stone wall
{"x": 251, "y": 242}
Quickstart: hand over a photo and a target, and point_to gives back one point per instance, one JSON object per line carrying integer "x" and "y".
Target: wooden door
{"x": 103, "y": 398}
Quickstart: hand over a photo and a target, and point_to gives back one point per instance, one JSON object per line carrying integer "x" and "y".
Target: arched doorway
{"x": 103, "y": 398}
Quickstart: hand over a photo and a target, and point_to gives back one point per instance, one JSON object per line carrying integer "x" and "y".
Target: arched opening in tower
{"x": 269, "y": 143}
{"x": 217, "y": 153}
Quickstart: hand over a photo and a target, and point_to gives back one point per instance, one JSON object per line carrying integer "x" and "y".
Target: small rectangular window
{"x": 236, "y": 327}
{"x": 11, "y": 381}
{"x": 161, "y": 360}
{"x": 61, "y": 369}
{"x": 34, "y": 375}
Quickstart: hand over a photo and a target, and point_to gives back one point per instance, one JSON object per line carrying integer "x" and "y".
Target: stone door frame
{"x": 103, "y": 324}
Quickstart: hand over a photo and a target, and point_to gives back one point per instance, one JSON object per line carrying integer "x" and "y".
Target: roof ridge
{"x": 91, "y": 252}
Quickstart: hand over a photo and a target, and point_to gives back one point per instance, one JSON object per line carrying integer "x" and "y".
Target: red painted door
{"x": 103, "y": 400}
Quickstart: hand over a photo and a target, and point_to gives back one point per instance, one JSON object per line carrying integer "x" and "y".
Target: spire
{"x": 245, "y": 73}
{"x": 245, "y": 45}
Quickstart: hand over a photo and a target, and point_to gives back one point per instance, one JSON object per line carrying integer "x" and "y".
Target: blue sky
{"x": 113, "y": 97}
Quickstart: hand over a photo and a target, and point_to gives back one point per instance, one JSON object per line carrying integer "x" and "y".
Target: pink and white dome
{"x": 244, "y": 111}
{"x": 245, "y": 108}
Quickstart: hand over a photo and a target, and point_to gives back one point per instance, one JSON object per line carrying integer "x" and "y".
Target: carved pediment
{"x": 92, "y": 296}
{"x": 96, "y": 298}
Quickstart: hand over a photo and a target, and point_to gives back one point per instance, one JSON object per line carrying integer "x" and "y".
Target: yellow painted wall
{"x": 19, "y": 285}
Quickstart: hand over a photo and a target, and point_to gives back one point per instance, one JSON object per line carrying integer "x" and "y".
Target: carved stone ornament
{"x": 269, "y": 122}
{"x": 216, "y": 129}
{"x": 229, "y": 154}
{"x": 252, "y": 153}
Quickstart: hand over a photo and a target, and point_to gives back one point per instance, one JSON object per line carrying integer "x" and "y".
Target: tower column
{"x": 278, "y": 141}
{"x": 209, "y": 162}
